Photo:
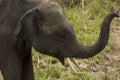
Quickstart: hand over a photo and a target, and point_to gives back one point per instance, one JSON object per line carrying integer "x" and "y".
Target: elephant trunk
{"x": 89, "y": 51}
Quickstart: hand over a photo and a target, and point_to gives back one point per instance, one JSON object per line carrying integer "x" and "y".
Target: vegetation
{"x": 86, "y": 19}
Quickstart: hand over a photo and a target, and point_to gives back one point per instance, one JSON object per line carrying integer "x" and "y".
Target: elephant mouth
{"x": 60, "y": 57}
{"x": 57, "y": 54}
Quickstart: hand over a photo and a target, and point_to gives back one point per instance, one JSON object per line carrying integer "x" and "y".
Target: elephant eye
{"x": 60, "y": 35}
{"x": 61, "y": 32}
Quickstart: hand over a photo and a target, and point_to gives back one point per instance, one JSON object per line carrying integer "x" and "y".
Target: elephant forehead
{"x": 55, "y": 15}
{"x": 51, "y": 6}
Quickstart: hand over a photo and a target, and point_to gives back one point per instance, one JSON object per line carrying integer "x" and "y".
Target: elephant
{"x": 43, "y": 25}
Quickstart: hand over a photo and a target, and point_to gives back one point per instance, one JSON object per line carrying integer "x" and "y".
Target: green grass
{"x": 86, "y": 21}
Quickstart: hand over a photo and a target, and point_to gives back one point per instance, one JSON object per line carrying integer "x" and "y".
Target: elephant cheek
{"x": 46, "y": 49}
{"x": 53, "y": 51}
{"x": 41, "y": 47}
{"x": 37, "y": 46}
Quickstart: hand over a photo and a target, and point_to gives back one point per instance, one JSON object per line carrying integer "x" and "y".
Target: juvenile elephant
{"x": 43, "y": 25}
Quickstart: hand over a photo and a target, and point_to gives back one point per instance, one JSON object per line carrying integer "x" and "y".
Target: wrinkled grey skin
{"x": 43, "y": 25}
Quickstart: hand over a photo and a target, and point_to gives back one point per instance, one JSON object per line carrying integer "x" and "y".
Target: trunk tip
{"x": 116, "y": 12}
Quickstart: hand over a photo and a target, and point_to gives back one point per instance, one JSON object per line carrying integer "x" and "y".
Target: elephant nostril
{"x": 117, "y": 12}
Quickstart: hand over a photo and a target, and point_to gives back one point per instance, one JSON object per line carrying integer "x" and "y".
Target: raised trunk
{"x": 89, "y": 51}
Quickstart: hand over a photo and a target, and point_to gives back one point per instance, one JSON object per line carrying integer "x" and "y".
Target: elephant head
{"x": 49, "y": 31}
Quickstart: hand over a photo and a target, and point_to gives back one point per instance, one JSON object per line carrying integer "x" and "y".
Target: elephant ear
{"x": 28, "y": 24}
{"x": 29, "y": 14}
